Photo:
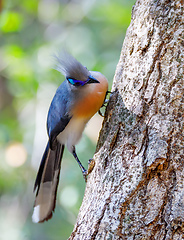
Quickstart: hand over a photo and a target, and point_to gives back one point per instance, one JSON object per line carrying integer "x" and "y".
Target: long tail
{"x": 46, "y": 183}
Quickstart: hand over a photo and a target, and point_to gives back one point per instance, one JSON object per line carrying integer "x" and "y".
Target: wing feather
{"x": 59, "y": 113}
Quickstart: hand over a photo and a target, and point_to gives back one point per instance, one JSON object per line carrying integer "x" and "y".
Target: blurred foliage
{"x": 31, "y": 32}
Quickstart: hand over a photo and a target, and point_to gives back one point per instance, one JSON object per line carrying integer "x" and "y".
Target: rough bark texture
{"x": 136, "y": 189}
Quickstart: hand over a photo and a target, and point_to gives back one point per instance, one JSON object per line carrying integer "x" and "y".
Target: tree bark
{"x": 136, "y": 188}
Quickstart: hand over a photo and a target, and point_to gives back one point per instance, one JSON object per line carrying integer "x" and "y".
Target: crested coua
{"x": 76, "y": 100}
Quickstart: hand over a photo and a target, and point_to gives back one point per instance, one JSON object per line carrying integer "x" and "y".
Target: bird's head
{"x": 74, "y": 71}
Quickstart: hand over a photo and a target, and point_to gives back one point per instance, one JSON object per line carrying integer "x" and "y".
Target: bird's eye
{"x": 75, "y": 82}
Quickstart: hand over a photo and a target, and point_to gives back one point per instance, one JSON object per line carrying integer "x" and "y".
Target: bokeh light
{"x": 16, "y": 154}
{"x": 69, "y": 196}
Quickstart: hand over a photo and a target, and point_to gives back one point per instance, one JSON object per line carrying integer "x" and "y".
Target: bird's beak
{"x": 91, "y": 79}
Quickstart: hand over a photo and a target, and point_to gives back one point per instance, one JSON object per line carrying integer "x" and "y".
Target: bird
{"x": 76, "y": 100}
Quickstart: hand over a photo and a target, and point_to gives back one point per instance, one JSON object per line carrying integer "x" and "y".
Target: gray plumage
{"x": 71, "y": 68}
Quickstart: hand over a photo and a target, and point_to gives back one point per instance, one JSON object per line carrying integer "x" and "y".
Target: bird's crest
{"x": 71, "y": 68}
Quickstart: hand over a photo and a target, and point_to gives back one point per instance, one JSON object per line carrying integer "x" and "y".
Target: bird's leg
{"x": 84, "y": 171}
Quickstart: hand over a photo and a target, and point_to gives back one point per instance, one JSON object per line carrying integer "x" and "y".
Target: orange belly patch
{"x": 89, "y": 105}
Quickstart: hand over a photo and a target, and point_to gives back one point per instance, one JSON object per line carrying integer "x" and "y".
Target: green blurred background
{"x": 31, "y": 32}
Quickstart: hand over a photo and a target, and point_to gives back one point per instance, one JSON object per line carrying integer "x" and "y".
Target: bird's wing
{"x": 59, "y": 113}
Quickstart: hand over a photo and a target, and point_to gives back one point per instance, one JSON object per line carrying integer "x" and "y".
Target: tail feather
{"x": 41, "y": 168}
{"x": 46, "y": 183}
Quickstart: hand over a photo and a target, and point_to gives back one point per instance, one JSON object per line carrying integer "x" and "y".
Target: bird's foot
{"x": 106, "y": 101}
{"x": 104, "y": 105}
{"x": 85, "y": 174}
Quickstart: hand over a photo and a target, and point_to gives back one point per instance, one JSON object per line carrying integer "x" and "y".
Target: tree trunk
{"x": 136, "y": 188}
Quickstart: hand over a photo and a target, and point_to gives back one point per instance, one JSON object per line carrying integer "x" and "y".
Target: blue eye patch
{"x": 77, "y": 82}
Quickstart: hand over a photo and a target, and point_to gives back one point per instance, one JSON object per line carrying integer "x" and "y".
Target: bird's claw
{"x": 100, "y": 113}
{"x": 103, "y": 105}
{"x": 85, "y": 173}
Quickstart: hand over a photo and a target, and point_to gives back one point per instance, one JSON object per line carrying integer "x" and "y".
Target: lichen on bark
{"x": 136, "y": 189}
